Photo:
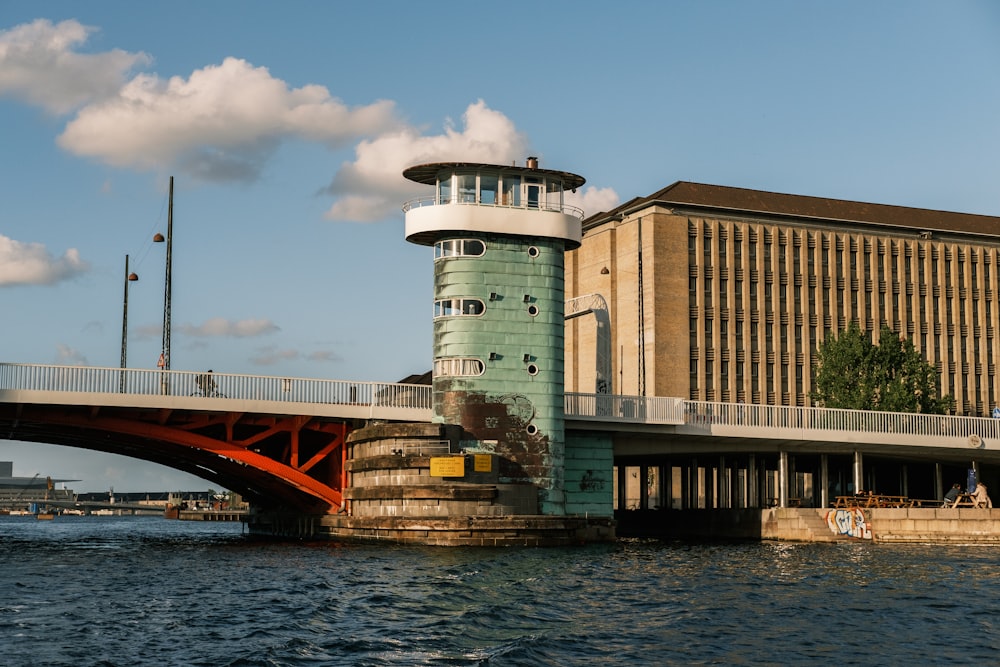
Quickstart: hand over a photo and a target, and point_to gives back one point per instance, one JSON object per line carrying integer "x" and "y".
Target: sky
{"x": 286, "y": 127}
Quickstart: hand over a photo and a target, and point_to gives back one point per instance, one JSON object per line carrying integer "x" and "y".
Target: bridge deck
{"x": 340, "y": 399}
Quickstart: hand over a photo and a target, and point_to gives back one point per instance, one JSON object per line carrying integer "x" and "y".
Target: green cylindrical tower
{"x": 499, "y": 235}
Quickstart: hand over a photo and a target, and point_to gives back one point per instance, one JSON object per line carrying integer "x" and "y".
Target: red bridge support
{"x": 287, "y": 462}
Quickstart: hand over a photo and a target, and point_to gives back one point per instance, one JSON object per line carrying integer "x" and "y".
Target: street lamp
{"x": 129, "y": 277}
{"x": 164, "y": 362}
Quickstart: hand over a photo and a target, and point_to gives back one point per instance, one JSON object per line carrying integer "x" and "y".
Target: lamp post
{"x": 129, "y": 277}
{"x": 164, "y": 362}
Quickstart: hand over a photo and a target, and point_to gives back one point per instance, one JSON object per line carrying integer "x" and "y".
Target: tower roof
{"x": 427, "y": 173}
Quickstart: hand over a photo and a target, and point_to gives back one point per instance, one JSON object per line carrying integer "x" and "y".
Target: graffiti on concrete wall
{"x": 850, "y": 522}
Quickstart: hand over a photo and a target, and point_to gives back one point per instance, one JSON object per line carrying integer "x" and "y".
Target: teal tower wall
{"x": 515, "y": 408}
{"x": 500, "y": 234}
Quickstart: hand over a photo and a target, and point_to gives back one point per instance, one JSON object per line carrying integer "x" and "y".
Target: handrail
{"x": 420, "y": 202}
{"x": 663, "y": 410}
{"x": 651, "y": 410}
{"x": 145, "y": 382}
{"x": 836, "y": 419}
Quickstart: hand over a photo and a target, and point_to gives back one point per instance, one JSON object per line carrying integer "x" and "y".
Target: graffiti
{"x": 591, "y": 482}
{"x": 850, "y": 522}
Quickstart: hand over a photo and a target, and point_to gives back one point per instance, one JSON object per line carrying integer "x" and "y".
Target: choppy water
{"x": 146, "y": 591}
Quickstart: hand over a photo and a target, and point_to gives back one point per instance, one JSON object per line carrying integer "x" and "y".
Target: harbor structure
{"x": 496, "y": 451}
{"x": 722, "y": 296}
{"x": 490, "y": 458}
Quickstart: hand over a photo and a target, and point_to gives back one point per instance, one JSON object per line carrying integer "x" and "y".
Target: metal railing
{"x": 635, "y": 409}
{"x": 585, "y": 407}
{"x": 96, "y": 380}
{"x": 421, "y": 202}
{"x": 753, "y": 416}
{"x": 662, "y": 410}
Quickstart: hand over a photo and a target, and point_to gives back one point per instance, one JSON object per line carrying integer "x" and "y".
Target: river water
{"x": 147, "y": 591}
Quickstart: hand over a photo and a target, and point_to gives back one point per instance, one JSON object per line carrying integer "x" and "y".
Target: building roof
{"x": 421, "y": 378}
{"x": 817, "y": 209}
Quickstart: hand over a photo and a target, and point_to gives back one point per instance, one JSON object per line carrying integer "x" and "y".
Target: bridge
{"x": 282, "y": 440}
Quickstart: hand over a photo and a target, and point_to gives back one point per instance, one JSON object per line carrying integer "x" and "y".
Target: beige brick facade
{"x": 726, "y": 297}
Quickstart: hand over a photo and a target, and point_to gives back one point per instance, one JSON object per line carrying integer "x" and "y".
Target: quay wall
{"x": 918, "y": 525}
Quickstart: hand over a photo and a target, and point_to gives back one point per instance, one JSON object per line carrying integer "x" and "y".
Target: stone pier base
{"x": 394, "y": 497}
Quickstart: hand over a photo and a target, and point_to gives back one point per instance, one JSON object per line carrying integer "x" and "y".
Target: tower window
{"x": 457, "y": 366}
{"x": 458, "y": 307}
{"x": 459, "y": 248}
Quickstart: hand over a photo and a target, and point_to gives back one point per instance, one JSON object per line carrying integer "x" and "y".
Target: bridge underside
{"x": 274, "y": 461}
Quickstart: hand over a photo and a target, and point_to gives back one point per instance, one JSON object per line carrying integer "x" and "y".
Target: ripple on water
{"x": 148, "y": 591}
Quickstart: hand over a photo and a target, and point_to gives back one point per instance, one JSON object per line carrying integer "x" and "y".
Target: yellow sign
{"x": 447, "y": 466}
{"x": 483, "y": 463}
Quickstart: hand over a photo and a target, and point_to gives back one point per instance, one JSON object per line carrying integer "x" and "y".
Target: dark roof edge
{"x": 803, "y": 207}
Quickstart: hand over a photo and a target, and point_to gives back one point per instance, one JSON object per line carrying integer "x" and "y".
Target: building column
{"x": 858, "y": 469}
{"x": 782, "y": 479}
{"x": 725, "y": 491}
{"x": 622, "y": 472}
{"x": 824, "y": 480}
{"x": 644, "y": 487}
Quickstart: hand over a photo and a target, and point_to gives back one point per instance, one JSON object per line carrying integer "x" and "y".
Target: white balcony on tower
{"x": 493, "y": 199}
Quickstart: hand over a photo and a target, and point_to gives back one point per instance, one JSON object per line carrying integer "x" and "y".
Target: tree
{"x": 855, "y": 374}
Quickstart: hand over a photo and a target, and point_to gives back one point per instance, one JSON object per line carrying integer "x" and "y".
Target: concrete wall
{"x": 589, "y": 474}
{"x": 905, "y": 525}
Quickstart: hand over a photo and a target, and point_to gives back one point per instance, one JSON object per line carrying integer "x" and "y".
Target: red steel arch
{"x": 289, "y": 462}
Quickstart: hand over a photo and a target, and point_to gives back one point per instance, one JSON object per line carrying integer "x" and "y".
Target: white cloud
{"x": 31, "y": 264}
{"x": 221, "y": 327}
{"x": 68, "y": 356}
{"x": 223, "y": 122}
{"x": 324, "y": 356}
{"x": 38, "y": 65}
{"x": 220, "y": 124}
{"x": 593, "y": 200}
{"x": 267, "y": 356}
{"x": 372, "y": 187}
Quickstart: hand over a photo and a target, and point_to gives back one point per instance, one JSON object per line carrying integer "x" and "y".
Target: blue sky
{"x": 286, "y": 127}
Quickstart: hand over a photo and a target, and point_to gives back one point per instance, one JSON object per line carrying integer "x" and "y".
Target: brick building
{"x": 722, "y": 294}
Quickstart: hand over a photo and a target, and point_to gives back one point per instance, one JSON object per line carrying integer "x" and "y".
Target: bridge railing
{"x": 664, "y": 410}
{"x": 593, "y": 407}
{"x": 754, "y": 416}
{"x": 90, "y": 379}
{"x": 636, "y": 409}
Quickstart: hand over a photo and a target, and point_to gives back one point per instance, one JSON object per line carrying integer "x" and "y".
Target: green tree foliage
{"x": 855, "y": 374}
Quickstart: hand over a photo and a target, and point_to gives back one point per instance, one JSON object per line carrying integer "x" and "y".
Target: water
{"x": 146, "y": 591}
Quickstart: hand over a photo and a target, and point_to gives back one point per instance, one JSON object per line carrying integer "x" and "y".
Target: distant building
{"x": 723, "y": 294}
{"x": 37, "y": 483}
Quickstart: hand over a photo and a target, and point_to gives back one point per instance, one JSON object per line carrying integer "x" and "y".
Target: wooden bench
{"x": 965, "y": 500}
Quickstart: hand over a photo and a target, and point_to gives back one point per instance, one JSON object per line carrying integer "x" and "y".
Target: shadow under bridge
{"x": 273, "y": 461}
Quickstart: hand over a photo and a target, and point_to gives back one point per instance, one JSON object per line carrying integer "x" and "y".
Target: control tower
{"x": 499, "y": 234}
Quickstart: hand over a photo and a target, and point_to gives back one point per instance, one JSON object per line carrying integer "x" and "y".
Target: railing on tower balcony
{"x": 534, "y": 206}
{"x": 89, "y": 379}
